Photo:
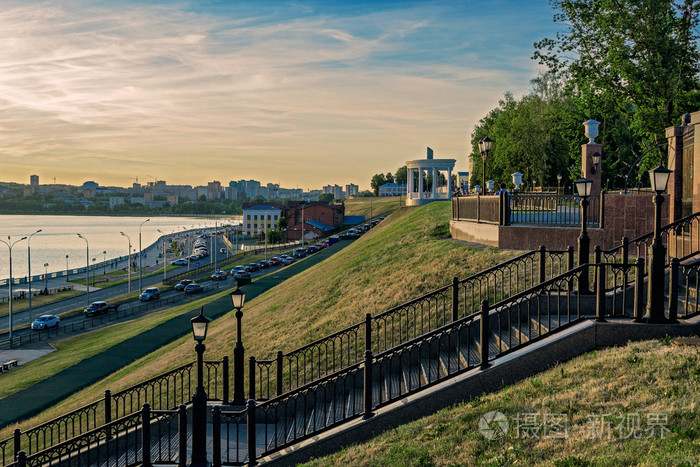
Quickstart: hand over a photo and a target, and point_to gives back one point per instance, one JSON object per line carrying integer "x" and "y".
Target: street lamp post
{"x": 141, "y": 257}
{"x": 165, "y": 256}
{"x": 46, "y": 279}
{"x": 87, "y": 267}
{"x": 94, "y": 270}
{"x": 237, "y": 300}
{"x": 128, "y": 266}
{"x": 66, "y": 268}
{"x": 655, "y": 298}
{"x": 484, "y": 148}
{"x": 583, "y": 188}
{"x": 558, "y": 183}
{"x": 29, "y": 271}
{"x": 104, "y": 262}
{"x": 199, "y": 400}
{"x": 10, "y": 244}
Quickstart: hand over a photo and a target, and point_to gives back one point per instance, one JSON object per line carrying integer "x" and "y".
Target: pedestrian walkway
{"x": 32, "y": 400}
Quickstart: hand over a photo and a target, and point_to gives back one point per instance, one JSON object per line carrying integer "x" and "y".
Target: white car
{"x": 46, "y": 321}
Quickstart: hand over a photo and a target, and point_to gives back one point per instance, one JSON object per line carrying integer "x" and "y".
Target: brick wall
{"x": 628, "y": 215}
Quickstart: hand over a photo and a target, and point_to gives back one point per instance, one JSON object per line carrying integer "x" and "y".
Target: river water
{"x": 59, "y": 243}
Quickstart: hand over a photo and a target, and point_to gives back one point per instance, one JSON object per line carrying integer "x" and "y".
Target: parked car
{"x": 236, "y": 269}
{"x": 194, "y": 288}
{"x": 299, "y": 253}
{"x": 274, "y": 261}
{"x": 222, "y": 251}
{"x": 252, "y": 267}
{"x": 180, "y": 286}
{"x": 312, "y": 249}
{"x": 151, "y": 293}
{"x": 288, "y": 260}
{"x": 241, "y": 275}
{"x": 219, "y": 276}
{"x": 98, "y": 308}
{"x": 179, "y": 262}
{"x": 262, "y": 264}
{"x": 46, "y": 321}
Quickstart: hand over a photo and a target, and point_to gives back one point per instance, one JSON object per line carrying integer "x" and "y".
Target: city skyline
{"x": 301, "y": 94}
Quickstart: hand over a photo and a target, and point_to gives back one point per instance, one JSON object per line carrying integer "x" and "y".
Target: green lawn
{"x": 633, "y": 405}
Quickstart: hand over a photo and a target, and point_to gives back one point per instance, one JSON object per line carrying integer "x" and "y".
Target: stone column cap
{"x": 674, "y": 131}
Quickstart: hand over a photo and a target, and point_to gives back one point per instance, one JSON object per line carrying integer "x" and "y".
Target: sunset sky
{"x": 299, "y": 93}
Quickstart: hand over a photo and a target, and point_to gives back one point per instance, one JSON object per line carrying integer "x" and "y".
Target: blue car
{"x": 151, "y": 293}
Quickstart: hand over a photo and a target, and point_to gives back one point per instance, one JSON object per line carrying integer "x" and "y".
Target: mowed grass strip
{"x": 374, "y": 206}
{"x": 649, "y": 391}
{"x": 401, "y": 258}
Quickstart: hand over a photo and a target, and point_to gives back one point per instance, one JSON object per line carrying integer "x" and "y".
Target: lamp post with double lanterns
{"x": 484, "y": 148}
{"x": 200, "y": 325}
{"x": 583, "y": 188}
{"x": 655, "y": 298}
{"x": 237, "y": 300}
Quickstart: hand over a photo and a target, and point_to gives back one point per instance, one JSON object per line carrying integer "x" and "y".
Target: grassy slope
{"x": 401, "y": 258}
{"x": 652, "y": 377}
{"x": 376, "y": 206}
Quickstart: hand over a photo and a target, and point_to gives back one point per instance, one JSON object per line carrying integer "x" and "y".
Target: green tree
{"x": 326, "y": 198}
{"x": 401, "y": 176}
{"x": 377, "y": 181}
{"x": 631, "y": 59}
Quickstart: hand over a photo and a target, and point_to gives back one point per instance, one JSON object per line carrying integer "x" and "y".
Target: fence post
{"x": 225, "y": 376}
{"x": 216, "y": 436}
{"x": 673, "y": 291}
{"x": 21, "y": 459}
{"x": 543, "y": 256}
{"x": 570, "y": 254}
{"x": 368, "y": 384}
{"x": 182, "y": 435}
{"x": 280, "y": 370}
{"x": 252, "y": 454}
{"x": 625, "y": 250}
{"x": 368, "y": 331}
{"x": 484, "y": 334}
{"x": 17, "y": 442}
{"x": 600, "y": 293}
{"x": 501, "y": 216}
{"x": 251, "y": 378}
{"x": 455, "y": 298}
{"x": 639, "y": 291}
{"x": 146, "y": 434}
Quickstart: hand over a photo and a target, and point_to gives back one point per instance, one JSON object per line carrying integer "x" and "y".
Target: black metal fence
{"x": 90, "y": 322}
{"x": 548, "y": 209}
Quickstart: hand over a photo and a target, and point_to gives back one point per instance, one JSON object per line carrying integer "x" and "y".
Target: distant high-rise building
{"x": 352, "y": 190}
{"x": 251, "y": 188}
{"x": 34, "y": 180}
{"x": 214, "y": 190}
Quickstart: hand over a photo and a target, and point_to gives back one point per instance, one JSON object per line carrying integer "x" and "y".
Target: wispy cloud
{"x": 101, "y": 91}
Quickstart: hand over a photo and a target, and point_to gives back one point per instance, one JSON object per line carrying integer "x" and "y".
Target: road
{"x": 107, "y": 293}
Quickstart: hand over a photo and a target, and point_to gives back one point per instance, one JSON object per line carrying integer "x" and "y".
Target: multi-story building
{"x": 316, "y": 218}
{"x": 213, "y": 190}
{"x": 392, "y": 189}
{"x": 352, "y": 190}
{"x": 34, "y": 180}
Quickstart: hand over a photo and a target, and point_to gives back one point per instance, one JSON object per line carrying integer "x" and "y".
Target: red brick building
{"x": 318, "y": 218}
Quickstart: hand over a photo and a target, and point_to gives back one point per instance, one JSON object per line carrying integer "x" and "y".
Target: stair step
{"x": 430, "y": 369}
{"x": 470, "y": 355}
{"x": 411, "y": 377}
{"x": 392, "y": 385}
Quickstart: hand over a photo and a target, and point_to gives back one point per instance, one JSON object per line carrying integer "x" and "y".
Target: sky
{"x": 299, "y": 93}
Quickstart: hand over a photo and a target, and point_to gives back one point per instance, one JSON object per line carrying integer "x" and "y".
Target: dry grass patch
{"x": 633, "y": 385}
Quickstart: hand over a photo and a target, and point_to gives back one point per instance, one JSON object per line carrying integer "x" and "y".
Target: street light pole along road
{"x": 128, "y": 266}
{"x": 141, "y": 258}
{"x": 10, "y": 244}
{"x": 87, "y": 268}
{"x": 29, "y": 271}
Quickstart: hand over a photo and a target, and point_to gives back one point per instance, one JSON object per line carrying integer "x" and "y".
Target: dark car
{"x": 312, "y": 249}
{"x": 151, "y": 293}
{"x": 194, "y": 288}
{"x": 262, "y": 264}
{"x": 219, "y": 276}
{"x": 180, "y": 286}
{"x": 98, "y": 308}
{"x": 299, "y": 253}
{"x": 241, "y": 275}
{"x": 252, "y": 267}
